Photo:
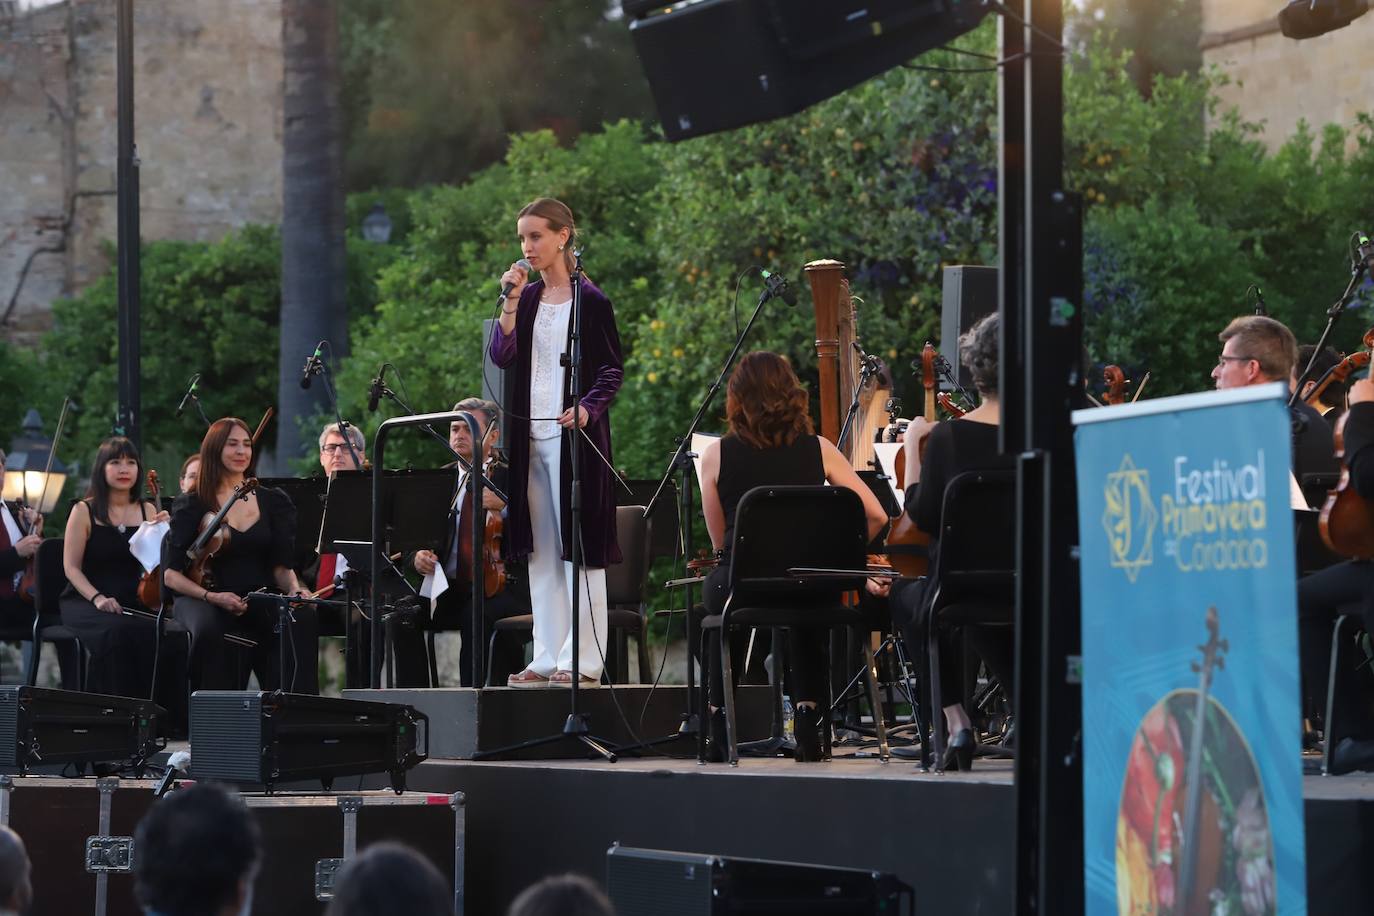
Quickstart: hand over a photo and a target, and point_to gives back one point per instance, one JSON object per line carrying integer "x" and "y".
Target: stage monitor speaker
{"x": 652, "y": 882}
{"x": 256, "y": 738}
{"x": 721, "y": 64}
{"x": 969, "y": 293}
{"x": 493, "y": 378}
{"x": 42, "y": 726}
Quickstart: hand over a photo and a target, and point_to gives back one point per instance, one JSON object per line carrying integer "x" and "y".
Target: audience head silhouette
{"x": 197, "y": 854}
{"x": 562, "y": 895}
{"x": 390, "y": 878}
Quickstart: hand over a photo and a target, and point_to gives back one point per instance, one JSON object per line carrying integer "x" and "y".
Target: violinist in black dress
{"x": 103, "y": 578}
{"x": 257, "y": 557}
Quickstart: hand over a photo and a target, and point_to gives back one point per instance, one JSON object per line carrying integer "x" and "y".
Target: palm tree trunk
{"x": 313, "y": 306}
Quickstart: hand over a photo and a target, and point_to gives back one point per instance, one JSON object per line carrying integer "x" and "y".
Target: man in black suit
{"x": 1257, "y": 349}
{"x": 453, "y": 608}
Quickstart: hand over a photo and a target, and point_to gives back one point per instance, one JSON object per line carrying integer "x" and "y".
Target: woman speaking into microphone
{"x": 543, "y": 426}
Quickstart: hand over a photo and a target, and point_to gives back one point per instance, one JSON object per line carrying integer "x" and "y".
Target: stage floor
{"x": 947, "y": 835}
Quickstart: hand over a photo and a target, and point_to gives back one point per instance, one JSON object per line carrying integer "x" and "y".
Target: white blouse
{"x": 546, "y": 369}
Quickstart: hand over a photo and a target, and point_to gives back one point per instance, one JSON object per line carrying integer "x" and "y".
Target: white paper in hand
{"x": 146, "y": 544}
{"x": 435, "y": 584}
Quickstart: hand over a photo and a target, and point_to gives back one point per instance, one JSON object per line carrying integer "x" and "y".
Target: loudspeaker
{"x": 651, "y": 882}
{"x": 493, "y": 379}
{"x": 38, "y": 725}
{"x": 720, "y": 64}
{"x": 968, "y": 293}
{"x": 257, "y": 738}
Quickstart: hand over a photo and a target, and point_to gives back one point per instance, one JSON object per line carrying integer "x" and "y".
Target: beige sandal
{"x": 564, "y": 679}
{"x": 527, "y": 680}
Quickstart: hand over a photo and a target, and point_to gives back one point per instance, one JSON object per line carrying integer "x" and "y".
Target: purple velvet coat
{"x": 602, "y": 372}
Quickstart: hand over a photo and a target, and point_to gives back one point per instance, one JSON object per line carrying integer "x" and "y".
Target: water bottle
{"x": 788, "y": 715}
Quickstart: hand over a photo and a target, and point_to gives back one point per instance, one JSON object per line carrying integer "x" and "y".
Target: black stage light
{"x": 719, "y": 64}
{"x": 42, "y": 726}
{"x": 1310, "y": 18}
{"x": 257, "y": 738}
{"x": 650, "y": 882}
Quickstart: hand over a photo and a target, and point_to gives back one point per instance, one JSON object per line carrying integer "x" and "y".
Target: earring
{"x": 560, "y": 247}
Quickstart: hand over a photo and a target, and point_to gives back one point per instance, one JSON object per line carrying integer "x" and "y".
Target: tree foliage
{"x": 434, "y": 88}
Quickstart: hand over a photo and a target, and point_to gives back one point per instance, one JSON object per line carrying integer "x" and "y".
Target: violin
{"x": 213, "y": 537}
{"x": 1347, "y": 518}
{"x": 908, "y": 547}
{"x": 1342, "y": 371}
{"x": 150, "y": 586}
{"x": 1115, "y": 380}
{"x": 493, "y": 566}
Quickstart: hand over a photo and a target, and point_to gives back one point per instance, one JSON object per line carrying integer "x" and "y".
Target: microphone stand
{"x": 681, "y": 465}
{"x": 1358, "y": 266}
{"x": 463, "y": 463}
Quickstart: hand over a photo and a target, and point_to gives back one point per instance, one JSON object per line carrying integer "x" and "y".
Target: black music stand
{"x": 415, "y": 516}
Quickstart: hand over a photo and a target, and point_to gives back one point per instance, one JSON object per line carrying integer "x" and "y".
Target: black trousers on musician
{"x": 218, "y": 665}
{"x": 1322, "y": 597}
{"x": 808, "y": 663}
{"x": 995, "y": 645}
{"x": 122, "y": 651}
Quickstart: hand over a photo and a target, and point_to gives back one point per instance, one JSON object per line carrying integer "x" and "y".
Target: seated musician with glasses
{"x": 453, "y": 608}
{"x": 953, "y": 447}
{"x": 1256, "y": 350}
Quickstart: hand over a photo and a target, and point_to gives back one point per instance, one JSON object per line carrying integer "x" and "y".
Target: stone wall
{"x": 1279, "y": 81}
{"x": 208, "y": 83}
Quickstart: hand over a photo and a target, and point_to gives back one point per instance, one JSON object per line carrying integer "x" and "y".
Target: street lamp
{"x": 377, "y": 225}
{"x": 25, "y": 466}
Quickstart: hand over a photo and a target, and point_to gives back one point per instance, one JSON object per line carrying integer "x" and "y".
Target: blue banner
{"x": 1191, "y": 725}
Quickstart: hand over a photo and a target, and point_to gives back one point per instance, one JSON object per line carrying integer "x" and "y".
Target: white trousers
{"x": 551, "y": 577}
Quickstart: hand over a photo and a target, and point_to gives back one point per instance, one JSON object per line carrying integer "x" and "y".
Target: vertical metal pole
{"x": 1011, "y": 228}
{"x": 127, "y": 421}
{"x": 350, "y": 805}
{"x": 458, "y": 802}
{"x": 106, "y": 786}
{"x": 478, "y": 521}
{"x": 6, "y": 787}
{"x": 1049, "y": 867}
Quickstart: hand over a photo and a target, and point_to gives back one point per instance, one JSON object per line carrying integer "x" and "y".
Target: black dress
{"x": 742, "y": 468}
{"x": 247, "y": 564}
{"x": 121, "y": 648}
{"x": 952, "y": 448}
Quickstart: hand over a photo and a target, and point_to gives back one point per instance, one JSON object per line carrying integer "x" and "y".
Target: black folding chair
{"x": 49, "y": 581}
{"x": 975, "y": 571}
{"x": 778, "y": 529}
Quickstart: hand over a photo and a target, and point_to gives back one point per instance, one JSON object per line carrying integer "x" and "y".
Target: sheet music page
{"x": 1295, "y": 497}
{"x": 699, "y": 443}
{"x": 886, "y": 453}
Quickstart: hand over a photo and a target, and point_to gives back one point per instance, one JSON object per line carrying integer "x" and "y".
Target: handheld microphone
{"x": 190, "y": 393}
{"x": 776, "y": 285}
{"x": 375, "y": 393}
{"x": 312, "y": 365}
{"x": 505, "y": 290}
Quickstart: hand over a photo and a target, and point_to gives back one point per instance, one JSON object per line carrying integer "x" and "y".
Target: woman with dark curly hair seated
{"x": 966, "y": 444}
{"x": 771, "y": 443}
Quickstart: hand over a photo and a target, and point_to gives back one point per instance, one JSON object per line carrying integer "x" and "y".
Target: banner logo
{"x": 1130, "y": 518}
